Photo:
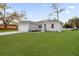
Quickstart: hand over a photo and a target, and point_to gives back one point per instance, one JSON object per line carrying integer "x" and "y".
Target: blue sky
{"x": 40, "y": 11}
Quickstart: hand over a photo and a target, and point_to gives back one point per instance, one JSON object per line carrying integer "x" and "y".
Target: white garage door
{"x": 23, "y": 28}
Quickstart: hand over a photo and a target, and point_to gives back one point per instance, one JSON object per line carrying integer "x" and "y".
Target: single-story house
{"x": 42, "y": 26}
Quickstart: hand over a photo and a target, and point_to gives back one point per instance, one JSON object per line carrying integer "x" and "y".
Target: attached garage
{"x": 23, "y": 26}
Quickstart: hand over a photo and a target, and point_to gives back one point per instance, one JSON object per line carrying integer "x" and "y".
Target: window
{"x": 39, "y": 26}
{"x": 52, "y": 25}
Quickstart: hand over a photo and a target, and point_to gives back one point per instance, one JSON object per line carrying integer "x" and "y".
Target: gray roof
{"x": 48, "y": 21}
{"x": 22, "y": 21}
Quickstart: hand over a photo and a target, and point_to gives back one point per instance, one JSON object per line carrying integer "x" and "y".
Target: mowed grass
{"x": 9, "y": 30}
{"x": 64, "y": 43}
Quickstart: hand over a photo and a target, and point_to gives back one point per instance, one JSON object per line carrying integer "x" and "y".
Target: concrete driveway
{"x": 8, "y": 33}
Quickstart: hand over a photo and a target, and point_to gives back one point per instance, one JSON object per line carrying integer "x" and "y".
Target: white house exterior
{"x": 42, "y": 26}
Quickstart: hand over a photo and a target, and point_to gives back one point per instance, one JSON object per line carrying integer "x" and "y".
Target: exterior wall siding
{"x": 26, "y": 27}
{"x": 23, "y": 27}
{"x": 57, "y": 26}
{"x": 33, "y": 27}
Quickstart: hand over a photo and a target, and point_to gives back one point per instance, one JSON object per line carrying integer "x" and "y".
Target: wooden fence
{"x": 12, "y": 27}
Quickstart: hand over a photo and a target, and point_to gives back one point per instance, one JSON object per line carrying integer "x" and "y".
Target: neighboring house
{"x": 42, "y": 26}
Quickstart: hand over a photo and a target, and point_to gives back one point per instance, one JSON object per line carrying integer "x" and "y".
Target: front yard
{"x": 42, "y": 44}
{"x": 9, "y": 30}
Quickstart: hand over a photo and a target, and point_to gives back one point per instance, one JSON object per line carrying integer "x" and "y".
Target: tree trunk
{"x": 2, "y": 18}
{"x": 17, "y": 27}
{"x": 5, "y": 25}
{"x": 57, "y": 16}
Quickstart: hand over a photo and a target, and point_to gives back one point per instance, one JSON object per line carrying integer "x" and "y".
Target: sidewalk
{"x": 8, "y": 33}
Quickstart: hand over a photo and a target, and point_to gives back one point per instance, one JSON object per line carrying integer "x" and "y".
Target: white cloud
{"x": 9, "y": 10}
{"x": 71, "y": 7}
{"x": 44, "y": 4}
{"x": 64, "y": 20}
{"x": 68, "y": 12}
{"x": 30, "y": 16}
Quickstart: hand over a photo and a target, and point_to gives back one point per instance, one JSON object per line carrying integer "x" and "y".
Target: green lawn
{"x": 9, "y": 30}
{"x": 40, "y": 44}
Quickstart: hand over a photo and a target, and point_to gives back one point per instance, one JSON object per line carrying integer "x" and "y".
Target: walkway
{"x": 7, "y": 33}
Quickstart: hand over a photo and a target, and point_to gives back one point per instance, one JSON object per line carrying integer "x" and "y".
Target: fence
{"x": 13, "y": 27}
{"x": 67, "y": 28}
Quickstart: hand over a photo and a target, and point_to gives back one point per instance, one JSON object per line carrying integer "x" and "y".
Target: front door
{"x": 45, "y": 27}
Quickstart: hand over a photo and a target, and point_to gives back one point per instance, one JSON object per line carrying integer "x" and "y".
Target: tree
{"x": 3, "y": 7}
{"x": 66, "y": 25}
{"x": 15, "y": 16}
{"x": 56, "y": 9}
{"x": 74, "y": 22}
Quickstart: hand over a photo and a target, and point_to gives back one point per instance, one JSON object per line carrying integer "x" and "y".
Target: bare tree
{"x": 56, "y": 9}
{"x": 15, "y": 16}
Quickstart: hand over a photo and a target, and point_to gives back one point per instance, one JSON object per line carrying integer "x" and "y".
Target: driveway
{"x": 8, "y": 33}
